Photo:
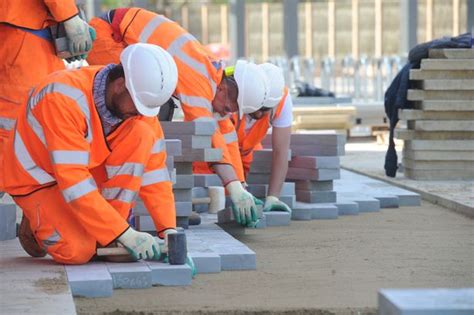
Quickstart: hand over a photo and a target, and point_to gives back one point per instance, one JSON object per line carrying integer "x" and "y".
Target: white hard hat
{"x": 276, "y": 81}
{"x": 151, "y": 76}
{"x": 253, "y": 87}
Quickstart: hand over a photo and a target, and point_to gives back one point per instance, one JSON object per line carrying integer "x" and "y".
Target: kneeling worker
{"x": 85, "y": 145}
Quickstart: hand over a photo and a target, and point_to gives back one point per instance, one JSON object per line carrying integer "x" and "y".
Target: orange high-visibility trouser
{"x": 25, "y": 60}
{"x": 53, "y": 220}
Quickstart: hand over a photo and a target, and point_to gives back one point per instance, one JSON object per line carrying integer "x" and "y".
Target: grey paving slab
{"x": 439, "y": 301}
{"x": 312, "y": 174}
{"x": 288, "y": 200}
{"x": 184, "y": 181}
{"x": 32, "y": 286}
{"x": 287, "y": 189}
{"x": 276, "y": 218}
{"x": 347, "y": 207}
{"x": 315, "y": 162}
{"x": 183, "y": 168}
{"x": 301, "y": 214}
{"x": 170, "y": 162}
{"x": 135, "y": 275}
{"x": 173, "y": 147}
{"x": 206, "y": 155}
{"x": 418, "y": 74}
{"x": 443, "y": 105}
{"x": 439, "y": 155}
{"x": 183, "y": 208}
{"x": 317, "y": 150}
{"x": 388, "y": 201}
{"x": 316, "y": 196}
{"x": 421, "y": 95}
{"x": 441, "y": 125}
{"x": 447, "y": 85}
{"x": 169, "y": 275}
{"x": 266, "y": 155}
{"x": 7, "y": 221}
{"x": 258, "y": 178}
{"x": 183, "y": 194}
{"x": 258, "y": 190}
{"x": 416, "y": 114}
{"x": 314, "y": 185}
{"x": 438, "y": 174}
{"x": 322, "y": 138}
{"x": 447, "y": 64}
{"x": 236, "y": 258}
{"x": 193, "y": 141}
{"x": 90, "y": 280}
{"x": 205, "y": 128}
{"x": 260, "y": 167}
{"x": 458, "y": 53}
{"x": 182, "y": 222}
{"x": 206, "y": 262}
{"x": 318, "y": 211}
{"x": 408, "y": 134}
{"x": 206, "y": 180}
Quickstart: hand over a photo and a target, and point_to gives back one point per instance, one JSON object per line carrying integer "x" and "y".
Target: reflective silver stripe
{"x": 27, "y": 162}
{"x": 132, "y": 169}
{"x": 52, "y": 240}
{"x": 156, "y": 176}
{"x": 150, "y": 28}
{"x": 80, "y": 189}
{"x": 7, "y": 123}
{"x": 122, "y": 194}
{"x": 230, "y": 137}
{"x": 67, "y": 91}
{"x": 195, "y": 101}
{"x": 70, "y": 157}
{"x": 159, "y": 146}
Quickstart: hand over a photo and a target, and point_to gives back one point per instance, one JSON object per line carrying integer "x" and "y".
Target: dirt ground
{"x": 321, "y": 267}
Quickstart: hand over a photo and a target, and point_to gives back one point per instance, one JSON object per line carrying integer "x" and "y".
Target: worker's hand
{"x": 167, "y": 232}
{"x": 243, "y": 204}
{"x": 272, "y": 203}
{"x": 79, "y": 35}
{"x": 140, "y": 245}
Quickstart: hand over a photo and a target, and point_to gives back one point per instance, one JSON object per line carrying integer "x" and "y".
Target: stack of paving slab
{"x": 258, "y": 179}
{"x": 212, "y": 250}
{"x": 439, "y": 139}
{"x": 313, "y": 167}
{"x": 195, "y": 139}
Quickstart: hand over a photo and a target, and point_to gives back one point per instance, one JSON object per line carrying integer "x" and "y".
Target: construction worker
{"x": 85, "y": 144}
{"x": 252, "y": 124}
{"x": 27, "y": 51}
{"x": 204, "y": 89}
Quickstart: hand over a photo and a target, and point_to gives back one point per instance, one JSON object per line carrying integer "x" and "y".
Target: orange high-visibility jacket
{"x": 199, "y": 72}
{"x": 36, "y": 14}
{"x": 59, "y": 140}
{"x": 250, "y": 140}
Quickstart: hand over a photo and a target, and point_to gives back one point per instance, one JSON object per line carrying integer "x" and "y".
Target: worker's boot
{"x": 28, "y": 241}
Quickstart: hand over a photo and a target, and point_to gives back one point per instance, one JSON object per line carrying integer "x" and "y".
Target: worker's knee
{"x": 74, "y": 253}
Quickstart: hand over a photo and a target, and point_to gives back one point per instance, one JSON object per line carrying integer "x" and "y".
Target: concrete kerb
{"x": 430, "y": 197}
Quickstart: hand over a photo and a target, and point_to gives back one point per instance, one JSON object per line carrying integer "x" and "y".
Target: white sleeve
{"x": 286, "y": 116}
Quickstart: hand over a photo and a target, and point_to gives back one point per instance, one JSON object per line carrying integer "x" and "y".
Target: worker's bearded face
{"x": 122, "y": 105}
{"x": 225, "y": 101}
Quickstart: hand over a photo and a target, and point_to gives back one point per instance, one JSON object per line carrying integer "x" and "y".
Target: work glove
{"x": 79, "y": 34}
{"x": 243, "y": 204}
{"x": 140, "y": 245}
{"x": 272, "y": 203}
{"x": 84, "y": 56}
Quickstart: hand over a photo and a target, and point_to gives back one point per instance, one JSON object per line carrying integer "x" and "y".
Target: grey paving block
{"x": 183, "y": 208}
{"x": 347, "y": 208}
{"x": 206, "y": 155}
{"x": 169, "y": 275}
{"x": 407, "y": 134}
{"x": 447, "y": 64}
{"x": 443, "y": 105}
{"x": 421, "y": 95}
{"x": 206, "y": 180}
{"x": 183, "y": 168}
{"x": 206, "y": 262}
{"x": 317, "y": 150}
{"x": 277, "y": 218}
{"x": 312, "y": 174}
{"x": 205, "y": 128}
{"x": 287, "y": 189}
{"x": 438, "y": 301}
{"x": 170, "y": 162}
{"x": 314, "y": 185}
{"x": 182, "y": 194}
{"x": 416, "y": 114}
{"x": 266, "y": 155}
{"x": 144, "y": 223}
{"x": 288, "y": 200}
{"x": 409, "y": 199}
{"x": 439, "y": 155}
{"x": 173, "y": 147}
{"x": 258, "y": 190}
{"x": 318, "y": 211}
{"x": 136, "y": 275}
{"x": 184, "y": 181}
{"x": 418, "y": 74}
{"x": 262, "y": 222}
{"x": 90, "y": 280}
{"x": 315, "y": 162}
{"x": 260, "y": 167}
{"x": 225, "y": 216}
{"x": 7, "y": 221}
{"x": 315, "y": 138}
{"x": 368, "y": 205}
{"x": 301, "y": 214}
{"x": 236, "y": 258}
{"x": 199, "y": 192}
{"x": 447, "y": 85}
{"x": 457, "y": 53}
{"x": 193, "y": 141}
{"x": 388, "y": 201}
{"x": 315, "y": 196}
{"x": 441, "y": 125}
{"x": 258, "y": 178}
{"x": 182, "y": 222}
